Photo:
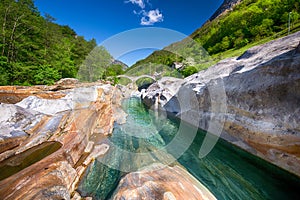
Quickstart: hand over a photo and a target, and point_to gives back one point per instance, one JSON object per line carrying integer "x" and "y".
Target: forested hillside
{"x": 34, "y": 49}
{"x": 248, "y": 23}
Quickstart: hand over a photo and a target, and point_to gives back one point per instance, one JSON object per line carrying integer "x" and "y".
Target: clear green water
{"x": 19, "y": 162}
{"x": 228, "y": 172}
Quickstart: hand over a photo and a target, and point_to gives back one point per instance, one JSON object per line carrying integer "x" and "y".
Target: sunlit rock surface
{"x": 261, "y": 100}
{"x": 161, "y": 182}
{"x": 162, "y": 91}
{"x": 49, "y": 135}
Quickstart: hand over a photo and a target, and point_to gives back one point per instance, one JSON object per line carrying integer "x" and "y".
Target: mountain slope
{"x": 235, "y": 27}
{"x": 226, "y": 5}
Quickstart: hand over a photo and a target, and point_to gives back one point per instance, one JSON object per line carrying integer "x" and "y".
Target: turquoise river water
{"x": 227, "y": 171}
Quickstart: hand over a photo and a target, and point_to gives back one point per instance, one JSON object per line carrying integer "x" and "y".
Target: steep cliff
{"x": 253, "y": 98}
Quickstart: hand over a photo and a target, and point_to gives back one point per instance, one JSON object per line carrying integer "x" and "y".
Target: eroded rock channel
{"x": 85, "y": 140}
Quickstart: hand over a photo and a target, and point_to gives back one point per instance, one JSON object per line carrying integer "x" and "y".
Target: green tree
{"x": 63, "y": 61}
{"x": 189, "y": 70}
{"x": 226, "y": 43}
{"x": 29, "y": 42}
{"x": 95, "y": 65}
{"x": 113, "y": 70}
{"x": 46, "y": 75}
{"x": 4, "y": 76}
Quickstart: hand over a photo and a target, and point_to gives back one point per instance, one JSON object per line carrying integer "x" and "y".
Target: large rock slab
{"x": 14, "y": 124}
{"x": 161, "y": 182}
{"x": 47, "y": 143}
{"x": 255, "y": 98}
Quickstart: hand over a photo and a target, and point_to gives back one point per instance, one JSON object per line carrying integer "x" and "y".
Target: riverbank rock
{"x": 161, "y": 182}
{"x": 161, "y": 91}
{"x": 255, "y": 98}
{"x": 48, "y": 137}
{"x": 67, "y": 81}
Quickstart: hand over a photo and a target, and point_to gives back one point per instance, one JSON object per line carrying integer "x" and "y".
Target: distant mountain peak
{"x": 118, "y": 62}
{"x": 226, "y": 6}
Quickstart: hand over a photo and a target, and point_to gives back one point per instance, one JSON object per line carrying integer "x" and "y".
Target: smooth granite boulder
{"x": 254, "y": 98}
{"x": 161, "y": 182}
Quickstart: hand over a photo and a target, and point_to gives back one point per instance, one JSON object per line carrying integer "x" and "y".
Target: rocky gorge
{"x": 54, "y": 140}
{"x": 231, "y": 131}
{"x": 252, "y": 101}
{"x": 49, "y": 136}
{"x": 52, "y": 135}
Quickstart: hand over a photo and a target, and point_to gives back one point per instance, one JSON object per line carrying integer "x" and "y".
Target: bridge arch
{"x": 135, "y": 78}
{"x": 145, "y": 76}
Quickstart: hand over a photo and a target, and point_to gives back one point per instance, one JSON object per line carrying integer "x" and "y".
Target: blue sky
{"x": 103, "y": 19}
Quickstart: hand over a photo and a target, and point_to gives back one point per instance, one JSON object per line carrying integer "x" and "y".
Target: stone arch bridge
{"x": 135, "y": 78}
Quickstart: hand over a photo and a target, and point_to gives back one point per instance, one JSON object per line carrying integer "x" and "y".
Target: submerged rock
{"x": 161, "y": 182}
{"x": 254, "y": 98}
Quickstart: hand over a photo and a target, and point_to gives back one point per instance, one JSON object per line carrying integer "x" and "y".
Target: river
{"x": 227, "y": 171}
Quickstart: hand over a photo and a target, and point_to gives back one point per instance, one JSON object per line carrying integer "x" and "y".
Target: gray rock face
{"x": 14, "y": 119}
{"x": 77, "y": 98}
{"x": 14, "y": 124}
{"x": 162, "y": 91}
{"x": 255, "y": 98}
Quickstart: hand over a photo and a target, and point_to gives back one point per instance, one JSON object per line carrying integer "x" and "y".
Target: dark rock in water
{"x": 254, "y": 98}
{"x": 297, "y": 50}
{"x": 145, "y": 86}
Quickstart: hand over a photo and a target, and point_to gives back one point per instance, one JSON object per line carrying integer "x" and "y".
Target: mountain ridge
{"x": 225, "y": 6}
{"x": 234, "y": 27}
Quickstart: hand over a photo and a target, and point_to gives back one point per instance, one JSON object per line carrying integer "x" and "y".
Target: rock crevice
{"x": 37, "y": 116}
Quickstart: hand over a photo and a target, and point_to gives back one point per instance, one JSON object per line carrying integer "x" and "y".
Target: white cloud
{"x": 151, "y": 17}
{"x": 140, "y": 3}
{"x": 148, "y": 17}
{"x": 138, "y": 13}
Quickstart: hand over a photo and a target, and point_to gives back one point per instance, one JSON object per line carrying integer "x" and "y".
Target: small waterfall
{"x": 156, "y": 105}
